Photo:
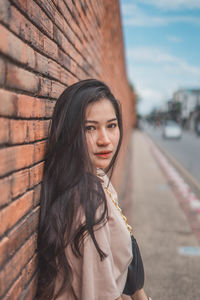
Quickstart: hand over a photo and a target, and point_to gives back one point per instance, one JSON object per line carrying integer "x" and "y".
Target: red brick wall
{"x": 44, "y": 47}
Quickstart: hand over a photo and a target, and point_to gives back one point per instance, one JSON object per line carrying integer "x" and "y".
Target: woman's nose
{"x": 103, "y": 138}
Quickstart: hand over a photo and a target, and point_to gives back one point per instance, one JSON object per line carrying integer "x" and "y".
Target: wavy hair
{"x": 69, "y": 185}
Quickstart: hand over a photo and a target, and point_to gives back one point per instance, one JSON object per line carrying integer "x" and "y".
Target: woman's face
{"x": 102, "y": 132}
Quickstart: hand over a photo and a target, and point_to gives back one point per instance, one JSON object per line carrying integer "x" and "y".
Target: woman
{"x": 84, "y": 245}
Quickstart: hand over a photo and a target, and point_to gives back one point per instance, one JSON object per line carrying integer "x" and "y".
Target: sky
{"x": 162, "y": 47}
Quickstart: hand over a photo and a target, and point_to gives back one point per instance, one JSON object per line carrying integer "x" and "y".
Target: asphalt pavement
{"x": 185, "y": 150}
{"x": 162, "y": 226}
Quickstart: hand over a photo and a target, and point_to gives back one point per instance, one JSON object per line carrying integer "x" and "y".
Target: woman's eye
{"x": 89, "y": 128}
{"x": 112, "y": 125}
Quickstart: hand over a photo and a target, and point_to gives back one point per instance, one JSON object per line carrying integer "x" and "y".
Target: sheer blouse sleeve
{"x": 106, "y": 279}
{"x": 99, "y": 278}
{"x": 96, "y": 279}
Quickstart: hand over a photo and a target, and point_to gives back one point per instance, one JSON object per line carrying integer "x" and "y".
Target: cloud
{"x": 174, "y": 39}
{"x": 150, "y": 98}
{"x": 172, "y": 5}
{"x": 157, "y": 56}
{"x": 134, "y": 16}
{"x": 153, "y": 21}
{"x": 156, "y": 74}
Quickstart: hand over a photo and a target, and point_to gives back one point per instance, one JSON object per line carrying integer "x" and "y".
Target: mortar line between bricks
{"x": 40, "y": 119}
{"x": 11, "y": 60}
{"x": 21, "y": 169}
{"x": 87, "y": 40}
{"x": 23, "y": 143}
{"x": 20, "y": 195}
{"x": 45, "y": 33}
{"x": 31, "y": 212}
{"x": 15, "y": 225}
{"x": 49, "y": 57}
{"x": 21, "y": 297}
{"x": 18, "y": 248}
{"x": 18, "y": 275}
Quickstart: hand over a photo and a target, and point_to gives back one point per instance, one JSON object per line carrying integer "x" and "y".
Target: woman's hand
{"x": 140, "y": 295}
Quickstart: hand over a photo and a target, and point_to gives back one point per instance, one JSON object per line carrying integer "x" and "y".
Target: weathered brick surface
{"x": 45, "y": 46}
{"x": 20, "y": 182}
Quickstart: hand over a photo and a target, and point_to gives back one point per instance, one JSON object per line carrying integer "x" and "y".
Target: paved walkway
{"x": 162, "y": 229}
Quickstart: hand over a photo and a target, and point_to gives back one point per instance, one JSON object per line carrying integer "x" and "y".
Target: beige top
{"x": 94, "y": 279}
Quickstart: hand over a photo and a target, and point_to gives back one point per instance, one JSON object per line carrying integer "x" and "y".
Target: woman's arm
{"x": 140, "y": 295}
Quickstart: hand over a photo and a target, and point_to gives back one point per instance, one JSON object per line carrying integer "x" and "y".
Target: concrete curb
{"x": 187, "y": 199}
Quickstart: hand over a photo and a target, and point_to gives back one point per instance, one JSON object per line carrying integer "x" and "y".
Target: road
{"x": 167, "y": 242}
{"x": 186, "y": 150}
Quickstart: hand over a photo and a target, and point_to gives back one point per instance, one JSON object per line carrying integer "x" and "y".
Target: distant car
{"x": 172, "y": 130}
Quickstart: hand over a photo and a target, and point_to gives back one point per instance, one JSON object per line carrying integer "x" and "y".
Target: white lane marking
{"x": 177, "y": 180}
{"x": 189, "y": 251}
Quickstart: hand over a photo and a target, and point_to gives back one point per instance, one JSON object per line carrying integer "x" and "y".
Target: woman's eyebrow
{"x": 96, "y": 122}
{"x": 111, "y": 120}
{"x": 91, "y": 121}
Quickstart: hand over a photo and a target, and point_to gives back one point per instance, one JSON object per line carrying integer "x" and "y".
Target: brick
{"x": 56, "y": 89}
{"x": 21, "y": 79}
{"x": 20, "y": 182}
{"x": 18, "y": 131}
{"x": 37, "y": 16}
{"x": 41, "y": 129}
{"x": 29, "y": 107}
{"x": 18, "y": 235}
{"x": 5, "y": 11}
{"x": 24, "y": 156}
{"x": 5, "y": 190}
{"x": 23, "y": 131}
{"x": 68, "y": 20}
{"x": 2, "y": 71}
{"x": 48, "y": 7}
{"x": 67, "y": 77}
{"x": 12, "y": 46}
{"x": 29, "y": 270}
{"x": 39, "y": 108}
{"x": 42, "y": 64}
{"x": 31, "y": 130}
{"x": 15, "y": 158}
{"x": 36, "y": 174}
{"x": 4, "y": 130}
{"x": 39, "y": 151}
{"x": 25, "y": 29}
{"x": 29, "y": 292}
{"x": 16, "y": 264}
{"x": 50, "y": 48}
{"x": 15, "y": 291}
{"x": 54, "y": 70}
{"x": 22, "y": 4}
{"x": 64, "y": 60}
{"x": 12, "y": 213}
{"x": 36, "y": 195}
{"x": 45, "y": 87}
{"x": 49, "y": 107}
{"x": 8, "y": 103}
{"x": 3, "y": 250}
{"x": 25, "y": 106}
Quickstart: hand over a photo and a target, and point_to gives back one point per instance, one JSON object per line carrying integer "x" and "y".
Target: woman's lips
{"x": 105, "y": 154}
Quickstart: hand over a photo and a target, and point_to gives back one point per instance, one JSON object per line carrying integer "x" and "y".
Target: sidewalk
{"x": 161, "y": 229}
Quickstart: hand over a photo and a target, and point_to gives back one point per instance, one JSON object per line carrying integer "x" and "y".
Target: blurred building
{"x": 189, "y": 101}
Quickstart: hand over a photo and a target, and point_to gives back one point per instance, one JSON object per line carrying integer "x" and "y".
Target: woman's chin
{"x": 102, "y": 165}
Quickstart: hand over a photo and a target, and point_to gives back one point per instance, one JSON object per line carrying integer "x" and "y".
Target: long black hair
{"x": 70, "y": 185}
